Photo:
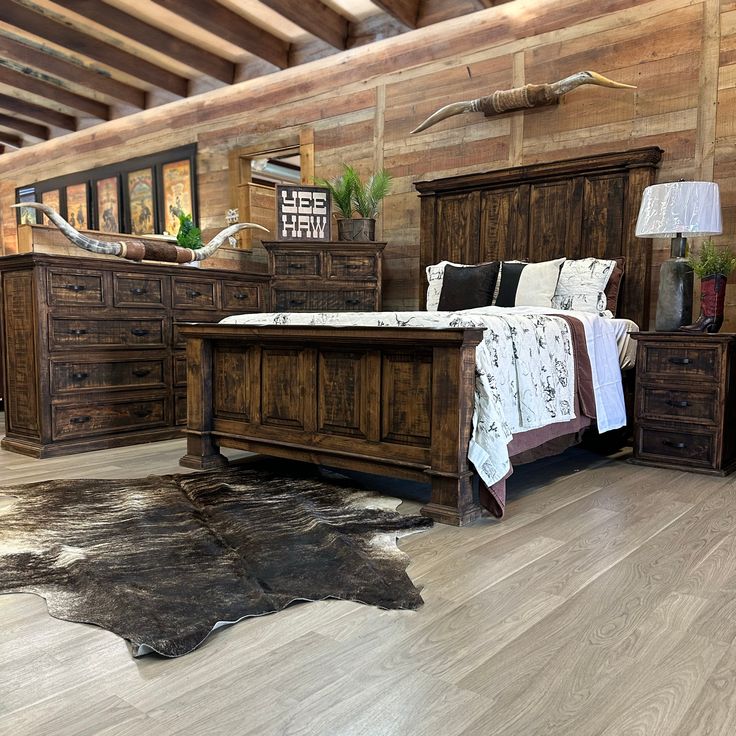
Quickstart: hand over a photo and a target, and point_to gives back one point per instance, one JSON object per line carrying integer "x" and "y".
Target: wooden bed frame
{"x": 397, "y": 401}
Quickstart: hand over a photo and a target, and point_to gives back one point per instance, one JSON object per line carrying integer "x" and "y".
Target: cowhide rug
{"x": 164, "y": 560}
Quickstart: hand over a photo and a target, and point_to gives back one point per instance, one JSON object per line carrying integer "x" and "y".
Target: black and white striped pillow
{"x": 526, "y": 284}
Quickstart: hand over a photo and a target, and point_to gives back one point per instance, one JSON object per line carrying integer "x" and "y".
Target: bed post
{"x": 452, "y": 500}
{"x": 202, "y": 450}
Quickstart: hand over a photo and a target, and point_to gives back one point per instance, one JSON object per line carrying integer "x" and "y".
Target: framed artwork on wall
{"x": 76, "y": 206}
{"x": 302, "y": 212}
{"x": 26, "y": 215}
{"x": 177, "y": 193}
{"x": 141, "y": 201}
{"x": 107, "y": 200}
{"x": 53, "y": 199}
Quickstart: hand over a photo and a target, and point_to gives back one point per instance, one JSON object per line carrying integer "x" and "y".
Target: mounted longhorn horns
{"x": 532, "y": 95}
{"x": 136, "y": 250}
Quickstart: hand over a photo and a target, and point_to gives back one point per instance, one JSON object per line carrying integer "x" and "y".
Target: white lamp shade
{"x": 680, "y": 207}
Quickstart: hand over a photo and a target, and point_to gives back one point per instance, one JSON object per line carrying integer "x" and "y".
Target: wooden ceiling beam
{"x": 231, "y": 27}
{"x": 314, "y": 17}
{"x": 37, "y": 112}
{"x": 11, "y": 140}
{"x": 48, "y": 61}
{"x": 30, "y": 83}
{"x": 47, "y": 26}
{"x": 407, "y": 11}
{"x": 148, "y": 35}
{"x": 25, "y": 126}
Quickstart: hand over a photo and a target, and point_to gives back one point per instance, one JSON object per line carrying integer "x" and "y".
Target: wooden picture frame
{"x": 141, "y": 208}
{"x": 26, "y": 215}
{"x": 77, "y": 205}
{"x": 303, "y": 213}
{"x": 107, "y": 204}
{"x": 52, "y": 198}
{"x": 177, "y": 188}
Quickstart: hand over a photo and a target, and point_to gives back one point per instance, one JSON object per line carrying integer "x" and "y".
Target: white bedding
{"x": 525, "y": 377}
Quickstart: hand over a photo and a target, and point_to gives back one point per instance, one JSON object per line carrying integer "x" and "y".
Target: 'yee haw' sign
{"x": 302, "y": 213}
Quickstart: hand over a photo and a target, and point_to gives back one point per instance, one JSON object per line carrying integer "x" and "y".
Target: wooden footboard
{"x": 390, "y": 401}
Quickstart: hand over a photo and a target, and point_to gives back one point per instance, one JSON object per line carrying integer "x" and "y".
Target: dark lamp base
{"x": 675, "y": 299}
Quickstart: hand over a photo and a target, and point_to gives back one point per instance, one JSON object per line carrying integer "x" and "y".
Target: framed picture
{"x": 26, "y": 215}
{"x": 141, "y": 201}
{"x": 53, "y": 199}
{"x": 107, "y": 199}
{"x": 76, "y": 206}
{"x": 177, "y": 193}
{"x": 302, "y": 212}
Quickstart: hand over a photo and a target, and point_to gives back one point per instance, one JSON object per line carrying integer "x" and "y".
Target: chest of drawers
{"x": 325, "y": 277}
{"x": 685, "y": 401}
{"x": 92, "y": 352}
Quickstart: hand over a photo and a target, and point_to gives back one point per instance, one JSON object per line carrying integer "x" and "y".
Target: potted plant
{"x": 351, "y": 195}
{"x": 712, "y": 265}
{"x": 189, "y": 235}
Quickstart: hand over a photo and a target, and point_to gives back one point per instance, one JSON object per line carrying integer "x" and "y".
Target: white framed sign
{"x": 302, "y": 212}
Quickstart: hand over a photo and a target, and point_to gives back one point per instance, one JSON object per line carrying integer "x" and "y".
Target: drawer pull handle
{"x": 296, "y": 266}
{"x": 296, "y": 302}
{"x": 680, "y": 361}
{"x": 240, "y": 295}
{"x": 79, "y": 376}
{"x": 77, "y": 331}
{"x": 676, "y": 445}
{"x": 352, "y": 266}
{"x": 138, "y": 331}
{"x": 352, "y": 301}
{"x": 193, "y": 293}
{"x": 79, "y": 420}
{"x": 142, "y": 413}
{"x": 140, "y": 372}
{"x": 75, "y": 287}
{"x": 138, "y": 290}
{"x": 679, "y": 404}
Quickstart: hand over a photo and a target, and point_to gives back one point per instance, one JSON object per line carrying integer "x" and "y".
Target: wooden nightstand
{"x": 685, "y": 401}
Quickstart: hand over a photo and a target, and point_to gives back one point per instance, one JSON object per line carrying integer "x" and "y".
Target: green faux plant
{"x": 712, "y": 260}
{"x": 350, "y": 194}
{"x": 189, "y": 235}
{"x": 342, "y": 189}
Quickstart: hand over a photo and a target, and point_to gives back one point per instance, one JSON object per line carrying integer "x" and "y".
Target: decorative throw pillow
{"x": 527, "y": 284}
{"x": 466, "y": 287}
{"x": 581, "y": 285}
{"x": 435, "y": 276}
{"x": 613, "y": 285}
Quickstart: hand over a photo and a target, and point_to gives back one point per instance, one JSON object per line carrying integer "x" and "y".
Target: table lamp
{"x": 676, "y": 210}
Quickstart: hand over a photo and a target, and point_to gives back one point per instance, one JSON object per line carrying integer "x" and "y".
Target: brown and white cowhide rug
{"x": 164, "y": 560}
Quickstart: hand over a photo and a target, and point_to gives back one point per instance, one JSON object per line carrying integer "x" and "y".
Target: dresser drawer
{"x": 669, "y": 404}
{"x": 93, "y": 418}
{"x": 688, "y": 446}
{"x": 325, "y": 300}
{"x": 237, "y": 298}
{"x": 73, "y": 332}
{"x": 134, "y": 290}
{"x": 296, "y": 264}
{"x": 347, "y": 267}
{"x": 66, "y": 286}
{"x": 75, "y": 376}
{"x": 682, "y": 363}
{"x": 191, "y": 292}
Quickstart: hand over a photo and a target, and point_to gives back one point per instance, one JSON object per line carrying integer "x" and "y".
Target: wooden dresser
{"x": 325, "y": 277}
{"x": 92, "y": 352}
{"x": 685, "y": 401}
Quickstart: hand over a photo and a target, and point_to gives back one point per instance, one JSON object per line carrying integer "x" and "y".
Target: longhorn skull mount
{"x": 520, "y": 98}
{"x": 137, "y": 250}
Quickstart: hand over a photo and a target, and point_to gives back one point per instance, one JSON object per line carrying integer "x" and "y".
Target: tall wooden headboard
{"x": 575, "y": 208}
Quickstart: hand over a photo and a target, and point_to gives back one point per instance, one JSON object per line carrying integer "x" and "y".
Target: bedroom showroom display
{"x": 676, "y": 210}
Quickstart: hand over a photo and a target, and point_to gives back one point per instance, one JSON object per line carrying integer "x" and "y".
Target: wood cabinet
{"x": 92, "y": 352}
{"x": 325, "y": 277}
{"x": 685, "y": 401}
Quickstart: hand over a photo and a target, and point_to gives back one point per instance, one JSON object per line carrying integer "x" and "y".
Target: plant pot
{"x": 356, "y": 229}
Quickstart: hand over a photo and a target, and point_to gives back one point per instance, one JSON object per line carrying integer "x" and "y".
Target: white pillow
{"x": 581, "y": 285}
{"x": 522, "y": 284}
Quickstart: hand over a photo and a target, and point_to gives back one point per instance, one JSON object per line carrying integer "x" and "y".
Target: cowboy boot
{"x": 712, "y": 299}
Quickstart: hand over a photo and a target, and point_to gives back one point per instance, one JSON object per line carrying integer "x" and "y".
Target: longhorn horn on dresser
{"x": 520, "y": 98}
{"x": 136, "y": 250}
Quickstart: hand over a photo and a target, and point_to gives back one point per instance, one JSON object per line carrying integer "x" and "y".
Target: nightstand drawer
{"x": 691, "y": 447}
{"x": 674, "y": 404}
{"x": 296, "y": 264}
{"x": 682, "y": 362}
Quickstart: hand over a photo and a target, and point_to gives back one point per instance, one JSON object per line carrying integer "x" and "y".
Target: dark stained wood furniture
{"x": 325, "y": 276}
{"x": 685, "y": 401}
{"x": 399, "y": 401}
{"x": 93, "y": 356}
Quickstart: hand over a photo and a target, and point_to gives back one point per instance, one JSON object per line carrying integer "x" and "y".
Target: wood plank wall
{"x": 362, "y": 104}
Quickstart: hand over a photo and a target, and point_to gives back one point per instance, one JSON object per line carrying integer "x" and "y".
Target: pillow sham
{"x": 466, "y": 287}
{"x": 581, "y": 285}
{"x": 435, "y": 277}
{"x": 522, "y": 284}
{"x": 614, "y": 285}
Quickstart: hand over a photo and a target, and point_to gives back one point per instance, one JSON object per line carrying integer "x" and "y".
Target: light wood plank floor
{"x": 604, "y": 604}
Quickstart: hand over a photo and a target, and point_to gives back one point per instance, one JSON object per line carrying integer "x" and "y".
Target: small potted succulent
{"x": 351, "y": 195}
{"x": 712, "y": 265}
